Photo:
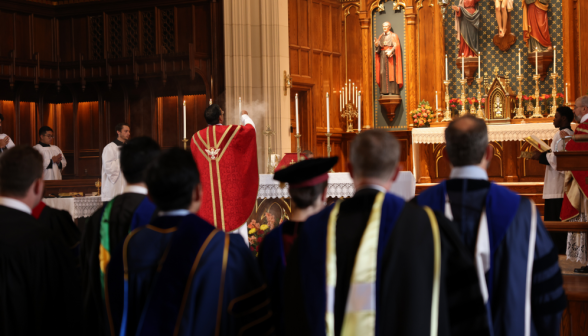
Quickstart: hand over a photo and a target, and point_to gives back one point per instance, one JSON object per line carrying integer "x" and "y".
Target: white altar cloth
{"x": 78, "y": 207}
{"x": 339, "y": 185}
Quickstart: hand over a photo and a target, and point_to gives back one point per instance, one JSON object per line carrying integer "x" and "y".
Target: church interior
{"x": 312, "y": 74}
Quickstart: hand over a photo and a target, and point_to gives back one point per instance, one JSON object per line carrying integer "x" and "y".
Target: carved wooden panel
{"x": 80, "y": 38}
{"x": 65, "y": 40}
{"x": 132, "y": 29}
{"x": 184, "y": 26}
{"x": 22, "y": 33}
{"x": 115, "y": 49}
{"x": 168, "y": 31}
{"x": 167, "y": 109}
{"x": 530, "y": 170}
{"x": 7, "y": 29}
{"x": 148, "y": 33}
{"x": 65, "y": 136}
{"x": 43, "y": 38}
{"x": 89, "y": 119}
{"x": 97, "y": 36}
{"x": 27, "y": 124}
{"x": 442, "y": 169}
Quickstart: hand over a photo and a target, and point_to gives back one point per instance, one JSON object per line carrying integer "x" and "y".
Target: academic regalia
{"x": 131, "y": 272}
{"x": 113, "y": 182}
{"x": 208, "y": 284}
{"x": 422, "y": 272}
{"x": 60, "y": 222}
{"x": 128, "y": 211}
{"x": 52, "y": 169}
{"x": 277, "y": 244}
{"x": 39, "y": 280}
{"x": 504, "y": 230}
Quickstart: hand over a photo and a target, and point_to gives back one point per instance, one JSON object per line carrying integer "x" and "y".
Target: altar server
{"x": 107, "y": 228}
{"x": 39, "y": 281}
{"x": 227, "y": 159}
{"x": 375, "y": 265}
{"x": 516, "y": 261}
{"x": 575, "y": 203}
{"x": 5, "y": 141}
{"x": 307, "y": 186}
{"x": 53, "y": 159}
{"x": 180, "y": 275}
{"x": 112, "y": 182}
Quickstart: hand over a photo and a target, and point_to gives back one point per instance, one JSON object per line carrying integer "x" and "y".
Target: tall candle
{"x": 353, "y": 93}
{"x": 536, "y": 62}
{"x": 240, "y": 109}
{"x": 350, "y": 92}
{"x": 567, "y": 101}
{"x": 479, "y": 66}
{"x": 462, "y": 66}
{"x": 340, "y": 101}
{"x": 346, "y": 95}
{"x": 446, "y": 69}
{"x": 297, "y": 128}
{"x": 520, "y": 62}
{"x": 554, "y": 59}
{"x": 328, "y": 121}
{"x": 184, "y": 119}
{"x": 359, "y": 111}
{"x": 436, "y": 102}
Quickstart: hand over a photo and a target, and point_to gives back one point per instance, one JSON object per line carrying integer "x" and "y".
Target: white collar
{"x": 177, "y": 212}
{"x": 15, "y": 204}
{"x": 468, "y": 172}
{"x": 135, "y": 189}
{"x": 584, "y": 118}
{"x": 375, "y": 187}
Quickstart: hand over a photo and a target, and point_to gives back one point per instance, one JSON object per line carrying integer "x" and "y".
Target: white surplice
{"x": 9, "y": 145}
{"x": 113, "y": 181}
{"x": 554, "y": 180}
{"x": 53, "y": 173}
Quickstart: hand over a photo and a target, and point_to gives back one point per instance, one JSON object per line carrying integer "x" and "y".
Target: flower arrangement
{"x": 423, "y": 115}
{"x": 257, "y": 231}
{"x": 455, "y": 106}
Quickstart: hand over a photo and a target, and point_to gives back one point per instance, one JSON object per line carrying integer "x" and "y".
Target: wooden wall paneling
{"x": 168, "y": 122}
{"x": 9, "y": 123}
{"x": 66, "y": 136}
{"x": 352, "y": 42}
{"x": 510, "y": 148}
{"x": 529, "y": 170}
{"x": 27, "y": 123}
{"x": 430, "y": 57}
{"x": 43, "y": 38}
{"x": 89, "y": 149}
{"x": 22, "y": 29}
{"x": 183, "y": 31}
{"x": 116, "y": 112}
{"x": 140, "y": 110}
{"x": 80, "y": 34}
{"x": 412, "y": 80}
{"x": 7, "y": 29}
{"x": 65, "y": 40}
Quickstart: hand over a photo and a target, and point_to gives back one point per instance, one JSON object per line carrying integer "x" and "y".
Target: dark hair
{"x": 306, "y": 196}
{"x": 120, "y": 126}
{"x": 44, "y": 130}
{"x": 1, "y": 117}
{"x": 171, "y": 179}
{"x": 20, "y": 166}
{"x": 566, "y": 112}
{"x": 466, "y": 140}
{"x": 135, "y": 157}
{"x": 212, "y": 114}
{"x": 374, "y": 153}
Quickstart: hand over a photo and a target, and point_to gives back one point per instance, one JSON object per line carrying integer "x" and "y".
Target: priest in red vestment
{"x": 536, "y": 25}
{"x": 467, "y": 24}
{"x": 226, "y": 156}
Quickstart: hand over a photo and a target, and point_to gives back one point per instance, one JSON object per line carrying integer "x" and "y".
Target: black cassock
{"x": 405, "y": 272}
{"x": 39, "y": 281}
{"x": 61, "y": 223}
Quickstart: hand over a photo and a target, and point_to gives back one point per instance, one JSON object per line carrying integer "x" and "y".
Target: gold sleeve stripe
{"x": 222, "y": 285}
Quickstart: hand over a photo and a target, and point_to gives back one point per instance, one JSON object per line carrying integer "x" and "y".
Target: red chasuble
{"x": 226, "y": 157}
{"x": 569, "y": 209}
{"x": 395, "y": 76}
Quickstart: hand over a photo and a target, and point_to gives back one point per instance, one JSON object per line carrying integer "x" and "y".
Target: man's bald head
{"x": 581, "y": 108}
{"x": 466, "y": 141}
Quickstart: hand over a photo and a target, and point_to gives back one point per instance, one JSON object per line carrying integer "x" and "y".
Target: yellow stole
{"x": 360, "y": 310}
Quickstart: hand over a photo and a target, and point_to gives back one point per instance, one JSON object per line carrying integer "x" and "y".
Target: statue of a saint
{"x": 467, "y": 23}
{"x": 536, "y": 25}
{"x": 503, "y": 7}
{"x": 388, "y": 61}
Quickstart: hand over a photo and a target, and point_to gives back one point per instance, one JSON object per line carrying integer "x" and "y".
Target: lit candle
{"x": 567, "y": 101}
{"x": 359, "y": 111}
{"x": 210, "y": 102}
{"x": 462, "y": 65}
{"x": 328, "y": 123}
{"x": 520, "y": 62}
{"x": 346, "y": 95}
{"x": 446, "y": 69}
{"x": 554, "y": 59}
{"x": 184, "y": 119}
{"x": 340, "y": 101}
{"x": 436, "y": 102}
{"x": 297, "y": 129}
{"x": 479, "y": 66}
{"x": 240, "y": 109}
{"x": 536, "y": 62}
{"x": 353, "y": 92}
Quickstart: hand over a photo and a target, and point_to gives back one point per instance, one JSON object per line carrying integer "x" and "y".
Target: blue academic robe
{"x": 509, "y": 227}
{"x": 207, "y": 284}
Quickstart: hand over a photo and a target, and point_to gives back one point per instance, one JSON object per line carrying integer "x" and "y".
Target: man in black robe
{"x": 377, "y": 263}
{"x": 121, "y": 215}
{"x": 39, "y": 282}
{"x": 61, "y": 223}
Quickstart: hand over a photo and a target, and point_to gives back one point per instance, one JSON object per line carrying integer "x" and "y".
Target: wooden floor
{"x": 574, "y": 320}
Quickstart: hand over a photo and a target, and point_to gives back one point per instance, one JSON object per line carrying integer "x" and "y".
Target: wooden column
{"x": 366, "y": 61}
{"x": 569, "y": 47}
{"x": 510, "y": 161}
{"x": 412, "y": 80}
{"x": 424, "y": 163}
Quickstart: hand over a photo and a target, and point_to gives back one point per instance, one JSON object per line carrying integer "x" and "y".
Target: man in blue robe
{"x": 307, "y": 185}
{"x": 107, "y": 228}
{"x": 516, "y": 261}
{"x": 376, "y": 265}
{"x": 180, "y": 275}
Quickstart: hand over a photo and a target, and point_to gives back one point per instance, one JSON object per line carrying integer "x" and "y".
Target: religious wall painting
{"x": 389, "y": 73}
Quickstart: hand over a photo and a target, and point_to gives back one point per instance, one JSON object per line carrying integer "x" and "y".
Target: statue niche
{"x": 388, "y": 59}
{"x": 500, "y": 100}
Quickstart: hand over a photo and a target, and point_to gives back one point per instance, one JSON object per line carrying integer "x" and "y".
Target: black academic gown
{"x": 95, "y": 321}
{"x": 60, "y": 222}
{"x": 405, "y": 272}
{"x": 39, "y": 281}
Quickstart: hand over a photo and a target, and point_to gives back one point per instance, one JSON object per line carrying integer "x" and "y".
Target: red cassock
{"x": 569, "y": 208}
{"x": 226, "y": 157}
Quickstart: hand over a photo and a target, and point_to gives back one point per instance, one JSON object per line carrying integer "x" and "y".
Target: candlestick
{"x": 554, "y": 60}
{"x": 359, "y": 112}
{"x": 328, "y": 121}
{"x": 567, "y": 101}
{"x": 480, "y": 112}
{"x": 446, "y": 69}
{"x": 536, "y": 62}
{"x": 298, "y": 150}
{"x": 340, "y": 101}
{"x": 551, "y": 114}
{"x": 185, "y": 141}
{"x": 328, "y": 144}
{"x": 447, "y": 116}
{"x": 184, "y": 119}
{"x": 463, "y": 97}
{"x": 436, "y": 101}
{"x": 462, "y": 65}
{"x": 297, "y": 127}
{"x": 537, "y": 110}
{"x": 519, "y": 62}
{"x": 521, "y": 109}
{"x": 270, "y": 167}
{"x": 479, "y": 66}
{"x": 240, "y": 108}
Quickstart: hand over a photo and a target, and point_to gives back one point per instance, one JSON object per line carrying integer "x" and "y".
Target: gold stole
{"x": 213, "y": 155}
{"x": 360, "y": 310}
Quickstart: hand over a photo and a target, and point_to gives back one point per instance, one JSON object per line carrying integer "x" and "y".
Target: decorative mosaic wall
{"x": 396, "y": 19}
{"x": 506, "y": 61}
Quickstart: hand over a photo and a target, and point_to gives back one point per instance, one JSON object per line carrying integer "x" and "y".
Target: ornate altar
{"x": 500, "y": 100}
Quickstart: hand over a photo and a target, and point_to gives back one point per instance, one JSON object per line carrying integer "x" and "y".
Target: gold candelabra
{"x": 521, "y": 109}
{"x": 328, "y": 144}
{"x": 268, "y": 132}
{"x": 463, "y": 97}
{"x": 553, "y": 76}
{"x": 480, "y": 114}
{"x": 349, "y": 112}
{"x": 298, "y": 150}
{"x": 537, "y": 110}
{"x": 447, "y": 116}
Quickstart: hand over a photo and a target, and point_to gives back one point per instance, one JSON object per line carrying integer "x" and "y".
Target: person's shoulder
{"x": 21, "y": 228}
